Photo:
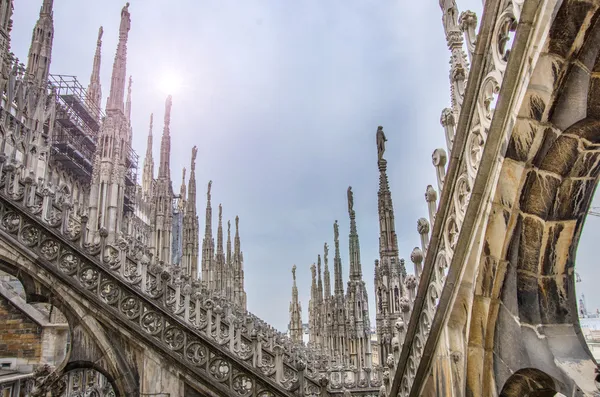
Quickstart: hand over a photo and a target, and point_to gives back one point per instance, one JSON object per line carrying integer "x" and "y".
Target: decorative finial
{"x": 294, "y": 272}
{"x": 151, "y": 122}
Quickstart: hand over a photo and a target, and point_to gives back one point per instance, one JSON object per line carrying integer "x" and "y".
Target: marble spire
{"x": 220, "y": 276}
{"x": 326, "y": 273}
{"x": 337, "y": 261}
{"x": 117, "y": 82}
{"x": 191, "y": 199}
{"x": 388, "y": 241}
{"x": 295, "y": 325}
{"x": 190, "y": 224}
{"x": 354, "y": 245}
{"x": 148, "y": 173}
{"x": 208, "y": 243}
{"x": 182, "y": 191}
{"x": 238, "y": 265}
{"x": 40, "y": 51}
{"x": 164, "y": 168}
{"x": 320, "y": 280}
{"x": 94, "y": 90}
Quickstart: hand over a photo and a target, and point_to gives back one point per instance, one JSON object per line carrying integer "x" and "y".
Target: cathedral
{"x": 106, "y": 291}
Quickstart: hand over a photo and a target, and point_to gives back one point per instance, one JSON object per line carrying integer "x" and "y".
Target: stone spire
{"x": 208, "y": 243}
{"x": 190, "y": 224}
{"x": 221, "y": 276}
{"x": 128, "y": 102}
{"x": 191, "y": 199}
{"x": 40, "y": 51}
{"x": 117, "y": 82}
{"x": 94, "y": 90}
{"x": 107, "y": 191}
{"x": 326, "y": 273}
{"x": 313, "y": 305}
{"x": 164, "y": 168}
{"x": 182, "y": 192}
{"x": 354, "y": 246}
{"x": 295, "y": 326}
{"x": 389, "y": 270}
{"x": 388, "y": 242}
{"x": 320, "y": 282}
{"x": 337, "y": 262}
{"x": 238, "y": 265}
{"x": 229, "y": 257}
{"x": 148, "y": 175}
{"x": 5, "y": 27}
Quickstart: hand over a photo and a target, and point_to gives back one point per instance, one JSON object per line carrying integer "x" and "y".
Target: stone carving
{"x": 381, "y": 140}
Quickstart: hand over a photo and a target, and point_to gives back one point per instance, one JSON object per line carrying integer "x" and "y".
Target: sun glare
{"x": 170, "y": 83}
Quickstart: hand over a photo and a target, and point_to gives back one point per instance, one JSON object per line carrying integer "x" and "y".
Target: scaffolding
{"x": 75, "y": 135}
{"x": 77, "y": 126}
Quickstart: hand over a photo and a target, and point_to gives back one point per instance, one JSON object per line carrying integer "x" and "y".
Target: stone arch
{"x": 521, "y": 297}
{"x": 103, "y": 384}
{"x": 98, "y": 351}
{"x": 530, "y": 382}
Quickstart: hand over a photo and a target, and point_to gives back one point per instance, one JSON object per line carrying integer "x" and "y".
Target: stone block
{"x": 532, "y": 232}
{"x": 527, "y": 298}
{"x": 538, "y": 194}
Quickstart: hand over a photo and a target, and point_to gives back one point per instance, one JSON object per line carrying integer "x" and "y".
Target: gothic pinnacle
{"x": 337, "y": 261}
{"x": 182, "y": 190}
{"x": 326, "y": 273}
{"x": 164, "y": 170}
{"x": 40, "y": 51}
{"x": 117, "y": 83}
{"x": 354, "y": 245}
{"x": 94, "y": 91}
{"x": 320, "y": 280}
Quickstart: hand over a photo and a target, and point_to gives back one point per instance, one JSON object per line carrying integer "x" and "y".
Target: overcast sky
{"x": 283, "y": 99}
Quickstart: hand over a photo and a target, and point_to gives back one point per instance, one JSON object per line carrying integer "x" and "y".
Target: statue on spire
{"x": 450, "y": 15}
{"x": 100, "y": 33}
{"x": 381, "y": 140}
{"x": 294, "y": 272}
{"x": 208, "y": 192}
{"x": 336, "y": 232}
{"x": 326, "y": 255}
{"x": 350, "y": 200}
{"x": 125, "y": 19}
{"x": 194, "y": 153}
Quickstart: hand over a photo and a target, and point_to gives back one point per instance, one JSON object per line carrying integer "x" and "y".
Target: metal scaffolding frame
{"x": 76, "y": 132}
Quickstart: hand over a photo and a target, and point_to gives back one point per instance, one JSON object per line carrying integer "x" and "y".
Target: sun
{"x": 170, "y": 83}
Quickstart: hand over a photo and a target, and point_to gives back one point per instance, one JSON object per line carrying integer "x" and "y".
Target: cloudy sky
{"x": 283, "y": 99}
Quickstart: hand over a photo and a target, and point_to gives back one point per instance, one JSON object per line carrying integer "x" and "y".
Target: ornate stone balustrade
{"x": 202, "y": 331}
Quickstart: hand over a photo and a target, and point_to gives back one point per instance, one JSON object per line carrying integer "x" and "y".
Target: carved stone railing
{"x": 489, "y": 61}
{"x": 199, "y": 329}
{"x": 179, "y": 322}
